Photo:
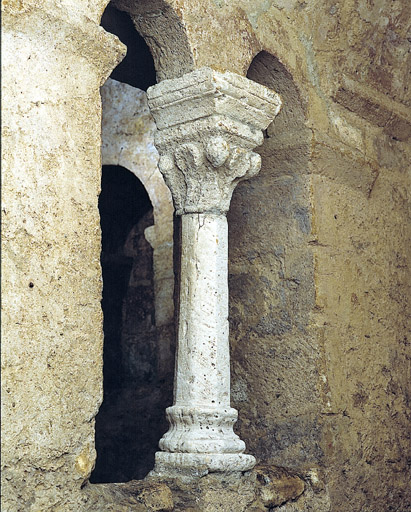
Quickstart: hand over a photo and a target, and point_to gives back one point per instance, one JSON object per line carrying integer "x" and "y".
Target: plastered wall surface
{"x": 319, "y": 246}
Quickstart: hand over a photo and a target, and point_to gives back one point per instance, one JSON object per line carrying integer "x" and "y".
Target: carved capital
{"x": 203, "y": 174}
{"x": 208, "y": 124}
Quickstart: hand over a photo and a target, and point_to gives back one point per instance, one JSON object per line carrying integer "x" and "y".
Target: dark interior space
{"x": 131, "y": 419}
{"x": 137, "y": 68}
{"x": 124, "y": 442}
{"x": 123, "y": 202}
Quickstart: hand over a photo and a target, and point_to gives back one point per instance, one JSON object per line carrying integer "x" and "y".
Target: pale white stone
{"x": 201, "y": 436}
{"x": 201, "y": 418}
{"x": 189, "y": 466}
{"x": 209, "y": 123}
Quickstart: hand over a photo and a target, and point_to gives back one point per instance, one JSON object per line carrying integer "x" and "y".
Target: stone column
{"x": 208, "y": 124}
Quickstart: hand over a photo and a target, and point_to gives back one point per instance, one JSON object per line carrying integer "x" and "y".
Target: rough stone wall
{"x": 53, "y": 65}
{"x": 324, "y": 234}
{"x": 272, "y": 289}
{"x": 361, "y": 220}
{"x": 349, "y": 61}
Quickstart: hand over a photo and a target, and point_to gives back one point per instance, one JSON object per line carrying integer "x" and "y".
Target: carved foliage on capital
{"x": 208, "y": 124}
{"x": 202, "y": 174}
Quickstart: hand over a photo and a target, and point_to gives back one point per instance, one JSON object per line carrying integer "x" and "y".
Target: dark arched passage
{"x": 131, "y": 418}
{"x": 123, "y": 425}
{"x": 137, "y": 67}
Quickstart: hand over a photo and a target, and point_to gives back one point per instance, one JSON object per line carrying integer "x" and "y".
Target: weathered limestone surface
{"x": 51, "y": 317}
{"x": 134, "y": 496}
{"x": 208, "y": 123}
{"x": 318, "y": 255}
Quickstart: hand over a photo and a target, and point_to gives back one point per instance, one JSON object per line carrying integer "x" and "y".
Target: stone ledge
{"x": 133, "y": 496}
{"x": 206, "y": 92}
{"x": 262, "y": 489}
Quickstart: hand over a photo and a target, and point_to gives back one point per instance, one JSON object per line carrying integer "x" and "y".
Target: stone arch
{"x": 270, "y": 71}
{"x": 163, "y": 30}
{"x": 272, "y": 288}
{"x": 128, "y": 140}
{"x": 144, "y": 346}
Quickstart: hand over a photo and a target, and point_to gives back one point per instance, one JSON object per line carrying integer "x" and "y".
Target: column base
{"x": 190, "y": 466}
{"x": 201, "y": 429}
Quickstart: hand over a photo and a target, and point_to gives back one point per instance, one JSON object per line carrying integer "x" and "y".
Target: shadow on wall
{"x": 137, "y": 68}
{"x": 273, "y": 355}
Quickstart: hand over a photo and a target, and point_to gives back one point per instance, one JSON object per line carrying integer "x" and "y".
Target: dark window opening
{"x": 131, "y": 419}
{"x": 124, "y": 443}
{"x": 137, "y": 67}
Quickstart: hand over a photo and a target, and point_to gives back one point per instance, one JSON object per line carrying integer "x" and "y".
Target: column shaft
{"x": 202, "y": 366}
{"x": 201, "y": 418}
